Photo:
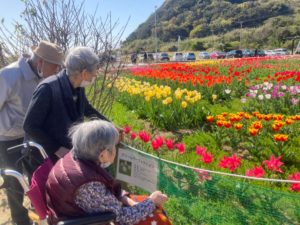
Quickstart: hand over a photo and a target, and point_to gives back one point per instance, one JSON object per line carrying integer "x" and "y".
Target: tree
{"x": 197, "y": 46}
{"x": 66, "y": 23}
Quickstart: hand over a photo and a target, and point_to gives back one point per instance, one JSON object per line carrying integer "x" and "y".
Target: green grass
{"x": 121, "y": 116}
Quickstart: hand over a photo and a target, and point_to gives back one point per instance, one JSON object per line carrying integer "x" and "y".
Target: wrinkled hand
{"x": 61, "y": 152}
{"x": 158, "y": 198}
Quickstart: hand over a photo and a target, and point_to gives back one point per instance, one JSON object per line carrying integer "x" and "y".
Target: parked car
{"x": 178, "y": 56}
{"x": 234, "y": 54}
{"x": 248, "y": 53}
{"x": 269, "y": 52}
{"x": 164, "y": 57}
{"x": 150, "y": 56}
{"x": 217, "y": 55}
{"x": 204, "y": 55}
{"x": 189, "y": 56}
{"x": 281, "y": 51}
{"x": 260, "y": 53}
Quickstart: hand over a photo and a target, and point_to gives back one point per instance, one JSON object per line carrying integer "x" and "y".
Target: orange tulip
{"x": 253, "y": 131}
{"x": 260, "y": 116}
{"x": 238, "y": 126}
{"x": 220, "y": 117}
{"x": 255, "y": 113}
{"x": 278, "y": 117}
{"x": 257, "y": 125}
{"x": 268, "y": 117}
{"x": 224, "y": 114}
{"x": 210, "y": 119}
{"x": 275, "y": 127}
{"x": 247, "y": 116}
{"x": 241, "y": 113}
{"x": 281, "y": 137}
{"x": 220, "y": 123}
{"x": 289, "y": 121}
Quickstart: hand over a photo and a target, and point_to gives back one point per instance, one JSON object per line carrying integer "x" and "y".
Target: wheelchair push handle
{"x": 27, "y": 146}
{"x": 15, "y": 174}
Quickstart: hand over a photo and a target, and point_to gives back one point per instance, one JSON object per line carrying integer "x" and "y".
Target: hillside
{"x": 258, "y": 23}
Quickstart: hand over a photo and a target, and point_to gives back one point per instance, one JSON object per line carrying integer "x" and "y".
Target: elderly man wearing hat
{"x": 18, "y": 81}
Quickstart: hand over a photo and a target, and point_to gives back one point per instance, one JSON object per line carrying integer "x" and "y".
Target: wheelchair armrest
{"x": 99, "y": 219}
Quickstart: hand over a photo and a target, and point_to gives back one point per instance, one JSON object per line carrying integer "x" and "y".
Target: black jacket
{"x": 53, "y": 110}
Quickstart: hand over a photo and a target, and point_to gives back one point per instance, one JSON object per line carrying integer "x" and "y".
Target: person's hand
{"x": 158, "y": 198}
{"x": 61, "y": 152}
{"x": 128, "y": 201}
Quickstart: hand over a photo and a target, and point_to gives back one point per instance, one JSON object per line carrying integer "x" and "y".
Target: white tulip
{"x": 268, "y": 96}
{"x": 243, "y": 100}
{"x": 260, "y": 97}
{"x": 227, "y": 91}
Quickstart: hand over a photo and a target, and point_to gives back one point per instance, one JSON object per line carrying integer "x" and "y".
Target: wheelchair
{"x": 36, "y": 191}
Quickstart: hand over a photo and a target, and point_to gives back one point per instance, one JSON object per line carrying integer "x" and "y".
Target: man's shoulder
{"x": 11, "y": 73}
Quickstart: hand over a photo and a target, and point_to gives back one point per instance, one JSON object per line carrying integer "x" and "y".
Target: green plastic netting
{"x": 199, "y": 198}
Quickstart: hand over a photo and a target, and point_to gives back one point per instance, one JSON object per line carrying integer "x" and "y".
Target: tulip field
{"x": 238, "y": 116}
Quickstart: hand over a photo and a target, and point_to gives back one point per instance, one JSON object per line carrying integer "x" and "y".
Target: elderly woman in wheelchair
{"x": 79, "y": 185}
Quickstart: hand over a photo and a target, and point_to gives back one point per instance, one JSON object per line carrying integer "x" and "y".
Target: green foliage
{"x": 200, "y": 138}
{"x": 265, "y": 24}
{"x": 122, "y": 116}
{"x": 197, "y": 46}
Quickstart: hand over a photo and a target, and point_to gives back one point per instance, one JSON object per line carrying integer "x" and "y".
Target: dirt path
{"x": 4, "y": 210}
{"x": 5, "y": 218}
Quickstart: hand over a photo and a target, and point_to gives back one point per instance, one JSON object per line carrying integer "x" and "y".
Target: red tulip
{"x": 207, "y": 158}
{"x": 169, "y": 144}
{"x": 157, "y": 143}
{"x": 180, "y": 147}
{"x": 200, "y": 150}
{"x": 255, "y": 172}
{"x": 127, "y": 129}
{"x": 133, "y": 135}
{"x": 144, "y": 136}
{"x": 274, "y": 164}
{"x": 295, "y": 187}
{"x": 231, "y": 163}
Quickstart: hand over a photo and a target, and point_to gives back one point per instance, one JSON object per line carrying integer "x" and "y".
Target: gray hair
{"x": 79, "y": 59}
{"x": 90, "y": 138}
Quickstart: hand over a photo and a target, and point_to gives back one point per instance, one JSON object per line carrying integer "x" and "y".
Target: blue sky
{"x": 137, "y": 10}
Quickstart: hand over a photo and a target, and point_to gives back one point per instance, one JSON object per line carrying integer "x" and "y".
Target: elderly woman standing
{"x": 79, "y": 185}
{"x": 60, "y": 101}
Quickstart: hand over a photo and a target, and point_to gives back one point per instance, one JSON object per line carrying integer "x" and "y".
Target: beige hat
{"x": 50, "y": 52}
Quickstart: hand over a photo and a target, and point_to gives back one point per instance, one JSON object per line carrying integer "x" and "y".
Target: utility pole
{"x": 213, "y": 38}
{"x": 155, "y": 31}
{"x": 178, "y": 43}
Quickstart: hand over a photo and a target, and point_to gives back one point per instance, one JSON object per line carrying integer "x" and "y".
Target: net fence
{"x": 200, "y": 197}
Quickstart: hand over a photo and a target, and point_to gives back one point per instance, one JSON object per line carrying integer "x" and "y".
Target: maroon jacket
{"x": 65, "y": 178}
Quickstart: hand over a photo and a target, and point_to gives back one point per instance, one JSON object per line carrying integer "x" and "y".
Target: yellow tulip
{"x": 214, "y": 97}
{"x": 184, "y": 104}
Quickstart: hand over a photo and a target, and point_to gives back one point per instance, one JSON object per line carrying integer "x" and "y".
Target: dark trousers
{"x": 15, "y": 192}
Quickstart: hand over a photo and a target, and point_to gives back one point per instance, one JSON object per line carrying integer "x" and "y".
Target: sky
{"x": 137, "y": 10}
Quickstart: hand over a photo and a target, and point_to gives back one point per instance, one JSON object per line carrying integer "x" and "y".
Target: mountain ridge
{"x": 273, "y": 20}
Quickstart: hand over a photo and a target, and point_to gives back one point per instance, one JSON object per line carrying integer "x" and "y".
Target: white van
{"x": 178, "y": 56}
